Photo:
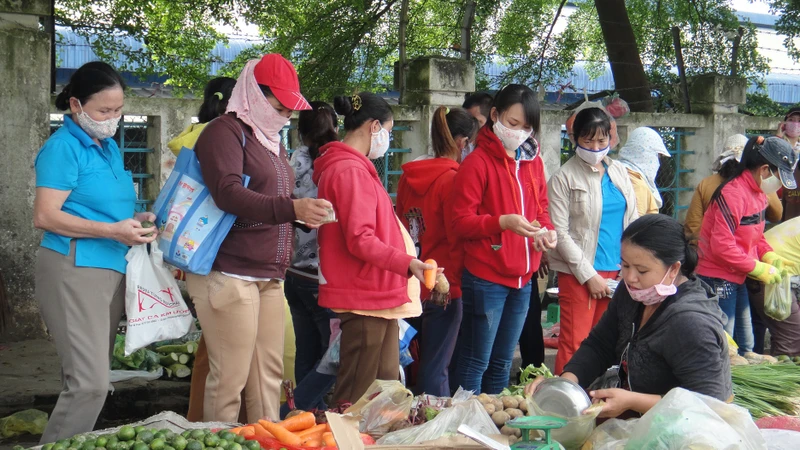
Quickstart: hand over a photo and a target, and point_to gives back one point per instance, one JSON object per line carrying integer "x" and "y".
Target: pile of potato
{"x": 502, "y": 409}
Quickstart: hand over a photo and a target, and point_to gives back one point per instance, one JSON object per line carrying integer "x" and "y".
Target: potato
{"x": 484, "y": 398}
{"x": 489, "y": 407}
{"x": 500, "y": 418}
{"x": 498, "y": 405}
{"x": 512, "y": 440}
{"x": 514, "y": 412}
{"x": 519, "y": 398}
{"x": 509, "y": 402}
{"x": 507, "y": 430}
{"x": 523, "y": 406}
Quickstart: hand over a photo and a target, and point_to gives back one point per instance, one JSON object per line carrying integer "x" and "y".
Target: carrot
{"x": 316, "y": 430}
{"x": 236, "y": 430}
{"x": 430, "y": 275}
{"x": 328, "y": 440}
{"x": 260, "y": 431}
{"x": 300, "y": 422}
{"x": 248, "y": 431}
{"x": 312, "y": 442}
{"x": 280, "y": 433}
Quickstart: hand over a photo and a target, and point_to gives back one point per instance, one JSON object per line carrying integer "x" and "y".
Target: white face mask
{"x": 511, "y": 139}
{"x": 591, "y": 157}
{"x": 470, "y": 147}
{"x": 97, "y": 130}
{"x": 379, "y": 145}
{"x": 770, "y": 185}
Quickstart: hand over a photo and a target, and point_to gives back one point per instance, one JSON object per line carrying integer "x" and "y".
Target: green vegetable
{"x": 148, "y": 224}
{"x": 527, "y": 375}
{"x": 767, "y": 390}
{"x": 188, "y": 348}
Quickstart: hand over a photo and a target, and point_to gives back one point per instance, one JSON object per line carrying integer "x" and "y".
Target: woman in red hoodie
{"x": 500, "y": 211}
{"x": 368, "y": 271}
{"x": 422, "y": 194}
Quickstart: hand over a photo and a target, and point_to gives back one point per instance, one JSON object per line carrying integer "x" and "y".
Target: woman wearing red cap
{"x": 240, "y": 303}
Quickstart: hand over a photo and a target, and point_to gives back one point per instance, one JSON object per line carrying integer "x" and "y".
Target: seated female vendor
{"x": 663, "y": 327}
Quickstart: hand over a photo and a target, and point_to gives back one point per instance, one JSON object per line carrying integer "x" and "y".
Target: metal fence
{"x": 669, "y": 177}
{"x": 131, "y": 137}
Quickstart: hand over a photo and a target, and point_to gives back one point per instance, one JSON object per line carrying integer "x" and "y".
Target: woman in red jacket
{"x": 500, "y": 211}
{"x": 368, "y": 271}
{"x": 732, "y": 245}
{"x": 424, "y": 190}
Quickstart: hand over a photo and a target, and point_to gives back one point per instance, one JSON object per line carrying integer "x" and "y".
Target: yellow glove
{"x": 765, "y": 273}
{"x": 778, "y": 261}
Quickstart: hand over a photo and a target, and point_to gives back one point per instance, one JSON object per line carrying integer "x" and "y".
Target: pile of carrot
{"x": 298, "y": 431}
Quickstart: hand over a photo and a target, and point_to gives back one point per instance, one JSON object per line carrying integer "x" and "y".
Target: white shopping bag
{"x": 153, "y": 302}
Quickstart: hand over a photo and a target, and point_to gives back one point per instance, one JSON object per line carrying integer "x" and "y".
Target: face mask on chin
{"x": 654, "y": 294}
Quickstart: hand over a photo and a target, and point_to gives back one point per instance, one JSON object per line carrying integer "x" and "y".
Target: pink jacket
{"x": 732, "y": 234}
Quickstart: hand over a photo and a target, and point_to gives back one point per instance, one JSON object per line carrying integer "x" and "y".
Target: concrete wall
{"x": 25, "y": 71}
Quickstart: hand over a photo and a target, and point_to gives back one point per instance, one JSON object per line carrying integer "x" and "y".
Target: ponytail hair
{"x": 751, "y": 159}
{"x": 447, "y": 125}
{"x": 215, "y": 98}
{"x": 664, "y": 237}
{"x": 88, "y": 80}
{"x": 317, "y": 127}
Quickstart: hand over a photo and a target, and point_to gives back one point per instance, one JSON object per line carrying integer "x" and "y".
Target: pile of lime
{"x": 142, "y": 438}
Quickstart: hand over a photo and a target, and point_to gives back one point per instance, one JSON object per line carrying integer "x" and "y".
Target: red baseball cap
{"x": 279, "y": 75}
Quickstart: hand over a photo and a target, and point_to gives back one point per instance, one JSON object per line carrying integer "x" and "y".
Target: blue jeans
{"x": 490, "y": 328}
{"x": 312, "y": 326}
{"x": 437, "y": 337}
{"x": 735, "y": 303}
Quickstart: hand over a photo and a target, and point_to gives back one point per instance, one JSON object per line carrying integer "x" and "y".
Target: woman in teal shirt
{"x": 85, "y": 203}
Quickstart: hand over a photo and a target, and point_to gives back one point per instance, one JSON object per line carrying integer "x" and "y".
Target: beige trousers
{"x": 82, "y": 307}
{"x": 243, "y": 329}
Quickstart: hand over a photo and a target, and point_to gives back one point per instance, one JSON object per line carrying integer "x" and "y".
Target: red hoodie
{"x": 422, "y": 194}
{"x": 363, "y": 264}
{"x": 490, "y": 184}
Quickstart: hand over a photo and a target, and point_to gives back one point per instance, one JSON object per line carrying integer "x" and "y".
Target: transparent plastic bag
{"x": 470, "y": 412}
{"x": 613, "y": 434}
{"x": 577, "y": 430}
{"x": 384, "y": 404}
{"x": 778, "y": 299}
{"x": 685, "y": 419}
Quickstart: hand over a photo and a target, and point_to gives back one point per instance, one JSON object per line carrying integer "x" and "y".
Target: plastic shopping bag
{"x": 191, "y": 226}
{"x": 153, "y": 302}
{"x": 384, "y": 404}
{"x": 446, "y": 423}
{"x": 778, "y": 299}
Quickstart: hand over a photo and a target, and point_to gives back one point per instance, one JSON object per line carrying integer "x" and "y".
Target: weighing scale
{"x": 543, "y": 423}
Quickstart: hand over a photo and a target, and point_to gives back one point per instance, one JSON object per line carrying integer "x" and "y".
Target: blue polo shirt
{"x": 100, "y": 190}
{"x": 609, "y": 246}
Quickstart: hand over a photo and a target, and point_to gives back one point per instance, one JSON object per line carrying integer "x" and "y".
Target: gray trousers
{"x": 81, "y": 307}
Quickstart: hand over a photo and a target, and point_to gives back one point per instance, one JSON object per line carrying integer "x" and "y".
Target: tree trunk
{"x": 623, "y": 54}
{"x": 466, "y": 30}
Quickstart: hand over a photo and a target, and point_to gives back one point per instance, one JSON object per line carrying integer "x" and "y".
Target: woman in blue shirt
{"x": 85, "y": 203}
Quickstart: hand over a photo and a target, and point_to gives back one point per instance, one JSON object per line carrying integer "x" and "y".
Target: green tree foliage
{"x": 342, "y": 45}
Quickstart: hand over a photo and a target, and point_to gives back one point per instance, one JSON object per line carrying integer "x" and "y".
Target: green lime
{"x": 88, "y": 445}
{"x": 64, "y": 442}
{"x": 211, "y": 440}
{"x": 58, "y": 446}
{"x": 100, "y": 448}
{"x": 47, "y": 446}
{"x": 157, "y": 444}
{"x": 159, "y": 435}
{"x": 101, "y": 442}
{"x": 198, "y": 435}
{"x": 239, "y": 440}
{"x": 252, "y": 445}
{"x": 224, "y": 444}
{"x": 125, "y": 445}
{"x": 169, "y": 447}
{"x": 113, "y": 440}
{"x": 234, "y": 446}
{"x": 126, "y": 433}
{"x": 145, "y": 436}
{"x": 140, "y": 446}
{"x": 179, "y": 442}
{"x": 227, "y": 435}
{"x": 72, "y": 448}
{"x": 80, "y": 439}
{"x": 194, "y": 444}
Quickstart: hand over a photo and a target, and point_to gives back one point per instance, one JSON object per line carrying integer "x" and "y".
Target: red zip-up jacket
{"x": 732, "y": 234}
{"x": 363, "y": 264}
{"x": 490, "y": 184}
{"x": 423, "y": 198}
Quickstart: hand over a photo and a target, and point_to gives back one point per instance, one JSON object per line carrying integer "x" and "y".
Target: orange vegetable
{"x": 300, "y": 422}
{"x": 315, "y": 431}
{"x": 236, "y": 430}
{"x": 314, "y": 442}
{"x": 430, "y": 275}
{"x": 248, "y": 431}
{"x": 280, "y": 433}
{"x": 328, "y": 440}
{"x": 258, "y": 430}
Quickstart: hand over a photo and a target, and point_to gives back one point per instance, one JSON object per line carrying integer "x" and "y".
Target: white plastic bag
{"x": 778, "y": 299}
{"x": 688, "y": 420}
{"x": 153, "y": 302}
{"x": 470, "y": 412}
